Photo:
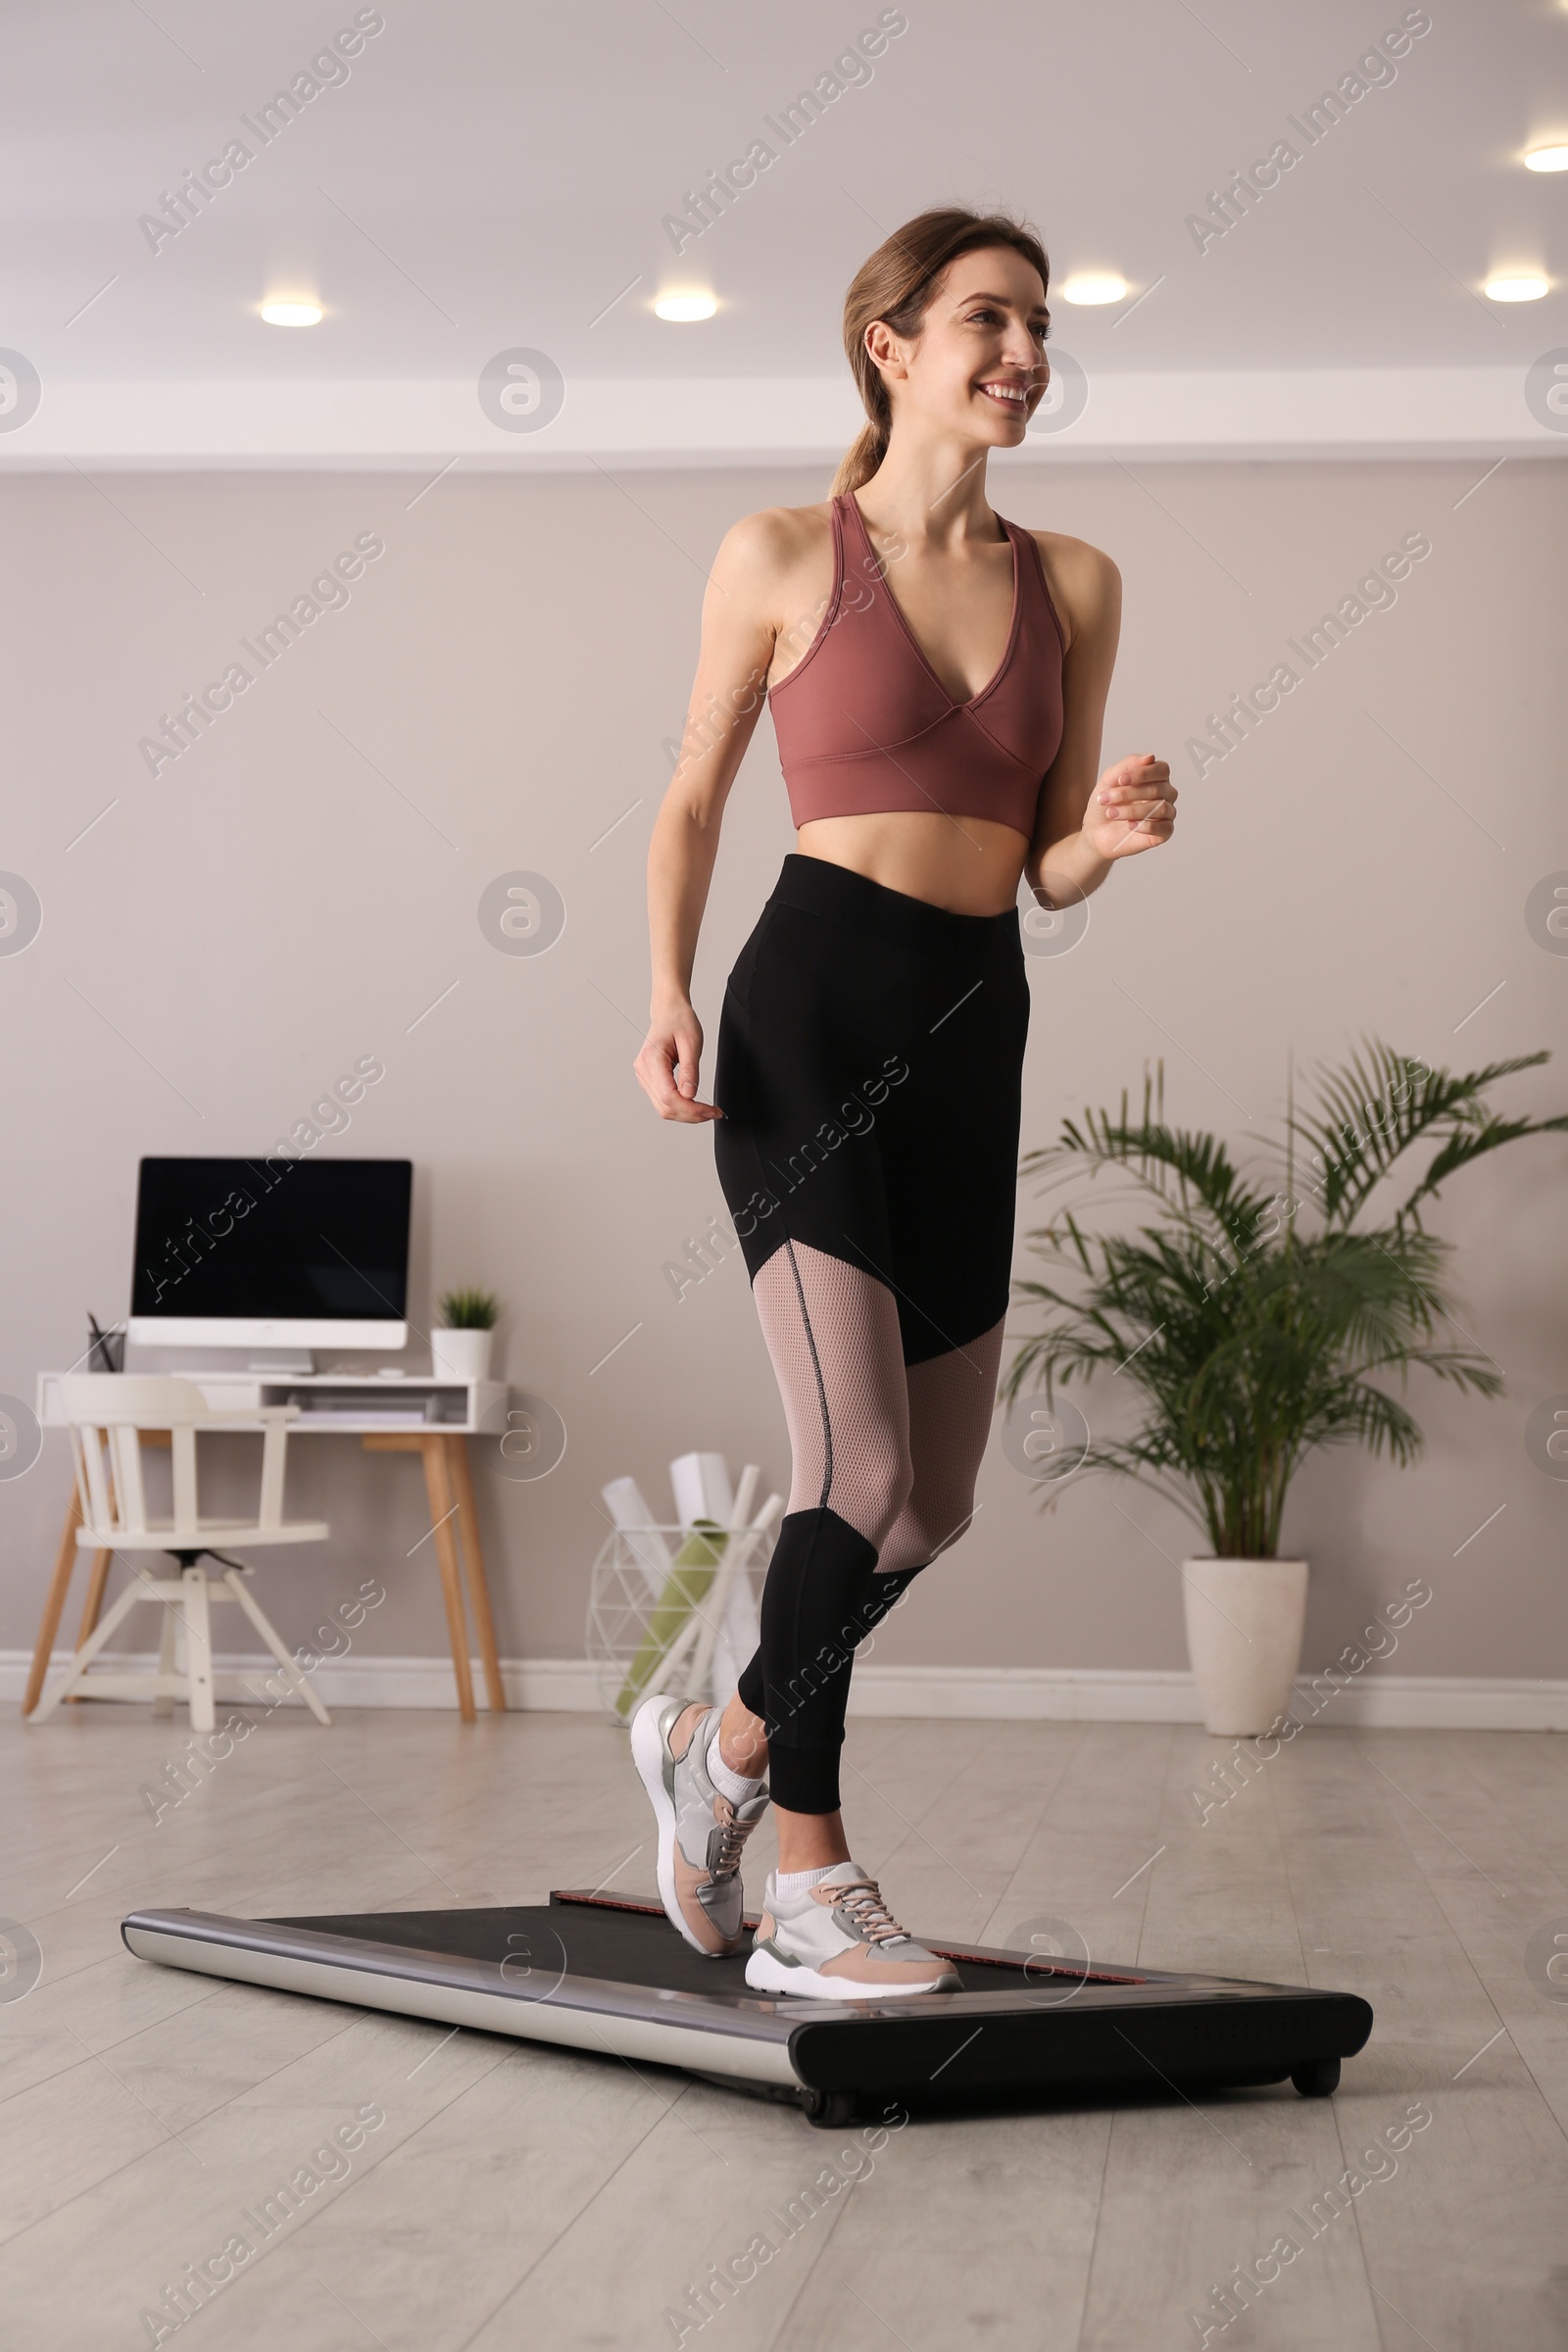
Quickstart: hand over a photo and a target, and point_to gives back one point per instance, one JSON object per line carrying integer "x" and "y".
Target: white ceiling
{"x": 492, "y": 175}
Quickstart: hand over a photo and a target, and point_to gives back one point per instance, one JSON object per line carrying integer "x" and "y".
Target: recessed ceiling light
{"x": 292, "y": 314}
{"x": 1094, "y": 286}
{"x": 685, "y": 307}
{"x": 1515, "y": 290}
{"x": 1547, "y": 159}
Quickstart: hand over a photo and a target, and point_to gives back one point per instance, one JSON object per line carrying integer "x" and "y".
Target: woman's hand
{"x": 667, "y": 1066}
{"x": 1132, "y": 808}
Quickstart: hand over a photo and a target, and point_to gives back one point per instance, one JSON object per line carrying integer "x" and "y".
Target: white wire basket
{"x": 654, "y": 1624}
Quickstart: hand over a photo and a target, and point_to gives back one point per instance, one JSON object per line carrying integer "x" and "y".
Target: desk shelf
{"x": 453, "y": 1408}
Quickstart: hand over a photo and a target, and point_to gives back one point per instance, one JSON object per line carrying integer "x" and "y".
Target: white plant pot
{"x": 1244, "y": 1638}
{"x": 461, "y": 1354}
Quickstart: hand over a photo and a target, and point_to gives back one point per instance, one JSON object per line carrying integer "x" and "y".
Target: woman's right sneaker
{"x": 702, "y": 1834}
{"x": 838, "y": 1941}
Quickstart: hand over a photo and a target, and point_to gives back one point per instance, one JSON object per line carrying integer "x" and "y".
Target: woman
{"x": 938, "y": 680}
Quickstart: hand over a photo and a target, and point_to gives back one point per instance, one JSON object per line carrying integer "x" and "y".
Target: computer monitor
{"x": 272, "y": 1254}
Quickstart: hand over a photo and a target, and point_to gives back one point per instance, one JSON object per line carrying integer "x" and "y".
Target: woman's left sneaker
{"x": 702, "y": 1834}
{"x": 838, "y": 1941}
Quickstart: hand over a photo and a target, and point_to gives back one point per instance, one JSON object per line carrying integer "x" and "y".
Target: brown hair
{"x": 895, "y": 285}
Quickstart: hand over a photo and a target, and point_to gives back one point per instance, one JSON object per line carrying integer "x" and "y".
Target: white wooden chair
{"x": 106, "y": 1414}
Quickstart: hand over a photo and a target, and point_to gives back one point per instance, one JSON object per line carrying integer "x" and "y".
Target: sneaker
{"x": 838, "y": 1941}
{"x": 701, "y": 1833}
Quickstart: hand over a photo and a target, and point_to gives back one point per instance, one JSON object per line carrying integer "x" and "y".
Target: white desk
{"x": 408, "y": 1412}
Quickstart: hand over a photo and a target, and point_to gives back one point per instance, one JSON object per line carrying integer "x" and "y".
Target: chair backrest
{"x": 105, "y": 1410}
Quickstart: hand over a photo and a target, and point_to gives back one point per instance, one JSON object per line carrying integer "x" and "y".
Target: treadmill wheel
{"x": 1319, "y": 2079}
{"x": 828, "y": 2110}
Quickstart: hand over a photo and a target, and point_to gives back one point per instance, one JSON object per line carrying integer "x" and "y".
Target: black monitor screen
{"x": 273, "y": 1239}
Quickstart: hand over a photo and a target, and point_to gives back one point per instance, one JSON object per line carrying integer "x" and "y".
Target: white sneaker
{"x": 838, "y": 1941}
{"x": 702, "y": 1834}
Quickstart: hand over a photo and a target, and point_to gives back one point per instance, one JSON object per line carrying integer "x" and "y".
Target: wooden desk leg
{"x": 59, "y": 1586}
{"x": 468, "y": 1522}
{"x": 443, "y": 1508}
{"x": 90, "y": 1608}
{"x": 54, "y": 1602}
{"x": 99, "y": 1578}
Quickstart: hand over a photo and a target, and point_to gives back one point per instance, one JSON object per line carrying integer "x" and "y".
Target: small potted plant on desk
{"x": 461, "y": 1348}
{"x": 1253, "y": 1323}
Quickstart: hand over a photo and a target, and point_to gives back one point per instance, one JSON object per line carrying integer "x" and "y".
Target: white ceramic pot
{"x": 461, "y": 1354}
{"x": 1244, "y": 1638}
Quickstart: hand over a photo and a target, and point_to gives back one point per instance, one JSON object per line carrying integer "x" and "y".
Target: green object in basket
{"x": 691, "y": 1572}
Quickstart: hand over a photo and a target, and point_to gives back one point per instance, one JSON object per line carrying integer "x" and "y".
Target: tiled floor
{"x": 515, "y": 2195}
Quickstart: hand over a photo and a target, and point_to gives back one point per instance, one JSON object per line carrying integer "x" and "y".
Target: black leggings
{"x": 868, "y": 1067}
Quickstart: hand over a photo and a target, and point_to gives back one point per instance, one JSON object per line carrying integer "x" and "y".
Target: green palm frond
{"x": 1244, "y": 1340}
{"x": 1378, "y": 1105}
{"x": 1185, "y": 1170}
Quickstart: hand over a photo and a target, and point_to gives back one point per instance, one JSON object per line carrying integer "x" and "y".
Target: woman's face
{"x": 978, "y": 366}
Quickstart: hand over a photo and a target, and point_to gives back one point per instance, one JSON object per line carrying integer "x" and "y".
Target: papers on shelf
{"x": 362, "y": 1417}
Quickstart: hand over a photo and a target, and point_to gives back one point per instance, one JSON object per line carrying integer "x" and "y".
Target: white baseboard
{"x": 1112, "y": 1695}
{"x": 995, "y": 1694}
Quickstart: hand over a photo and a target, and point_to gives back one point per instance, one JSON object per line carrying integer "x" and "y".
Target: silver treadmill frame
{"x": 747, "y": 2039}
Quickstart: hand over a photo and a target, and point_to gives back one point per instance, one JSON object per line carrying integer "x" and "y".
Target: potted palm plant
{"x": 1256, "y": 1320}
{"x": 460, "y": 1349}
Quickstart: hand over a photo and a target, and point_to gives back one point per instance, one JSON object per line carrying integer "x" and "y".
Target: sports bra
{"x": 865, "y": 725}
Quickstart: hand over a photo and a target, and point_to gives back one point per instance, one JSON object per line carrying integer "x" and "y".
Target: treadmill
{"x": 606, "y": 1973}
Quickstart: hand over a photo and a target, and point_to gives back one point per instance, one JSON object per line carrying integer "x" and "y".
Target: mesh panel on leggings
{"x": 950, "y": 1403}
{"x": 884, "y": 1457}
{"x": 832, "y": 1331}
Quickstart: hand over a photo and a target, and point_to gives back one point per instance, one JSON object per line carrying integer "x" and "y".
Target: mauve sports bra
{"x": 864, "y": 724}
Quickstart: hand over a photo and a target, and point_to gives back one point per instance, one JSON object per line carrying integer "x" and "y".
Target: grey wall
{"x": 235, "y": 932}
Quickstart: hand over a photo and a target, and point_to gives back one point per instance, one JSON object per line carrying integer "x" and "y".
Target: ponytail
{"x": 860, "y": 460}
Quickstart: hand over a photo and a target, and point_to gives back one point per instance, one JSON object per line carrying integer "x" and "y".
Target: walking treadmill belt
{"x": 610, "y": 1974}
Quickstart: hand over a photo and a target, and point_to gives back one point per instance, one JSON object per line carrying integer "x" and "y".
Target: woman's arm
{"x": 727, "y": 692}
{"x": 1081, "y": 831}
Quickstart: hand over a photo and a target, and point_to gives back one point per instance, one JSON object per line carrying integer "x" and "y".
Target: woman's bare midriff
{"x": 968, "y": 865}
